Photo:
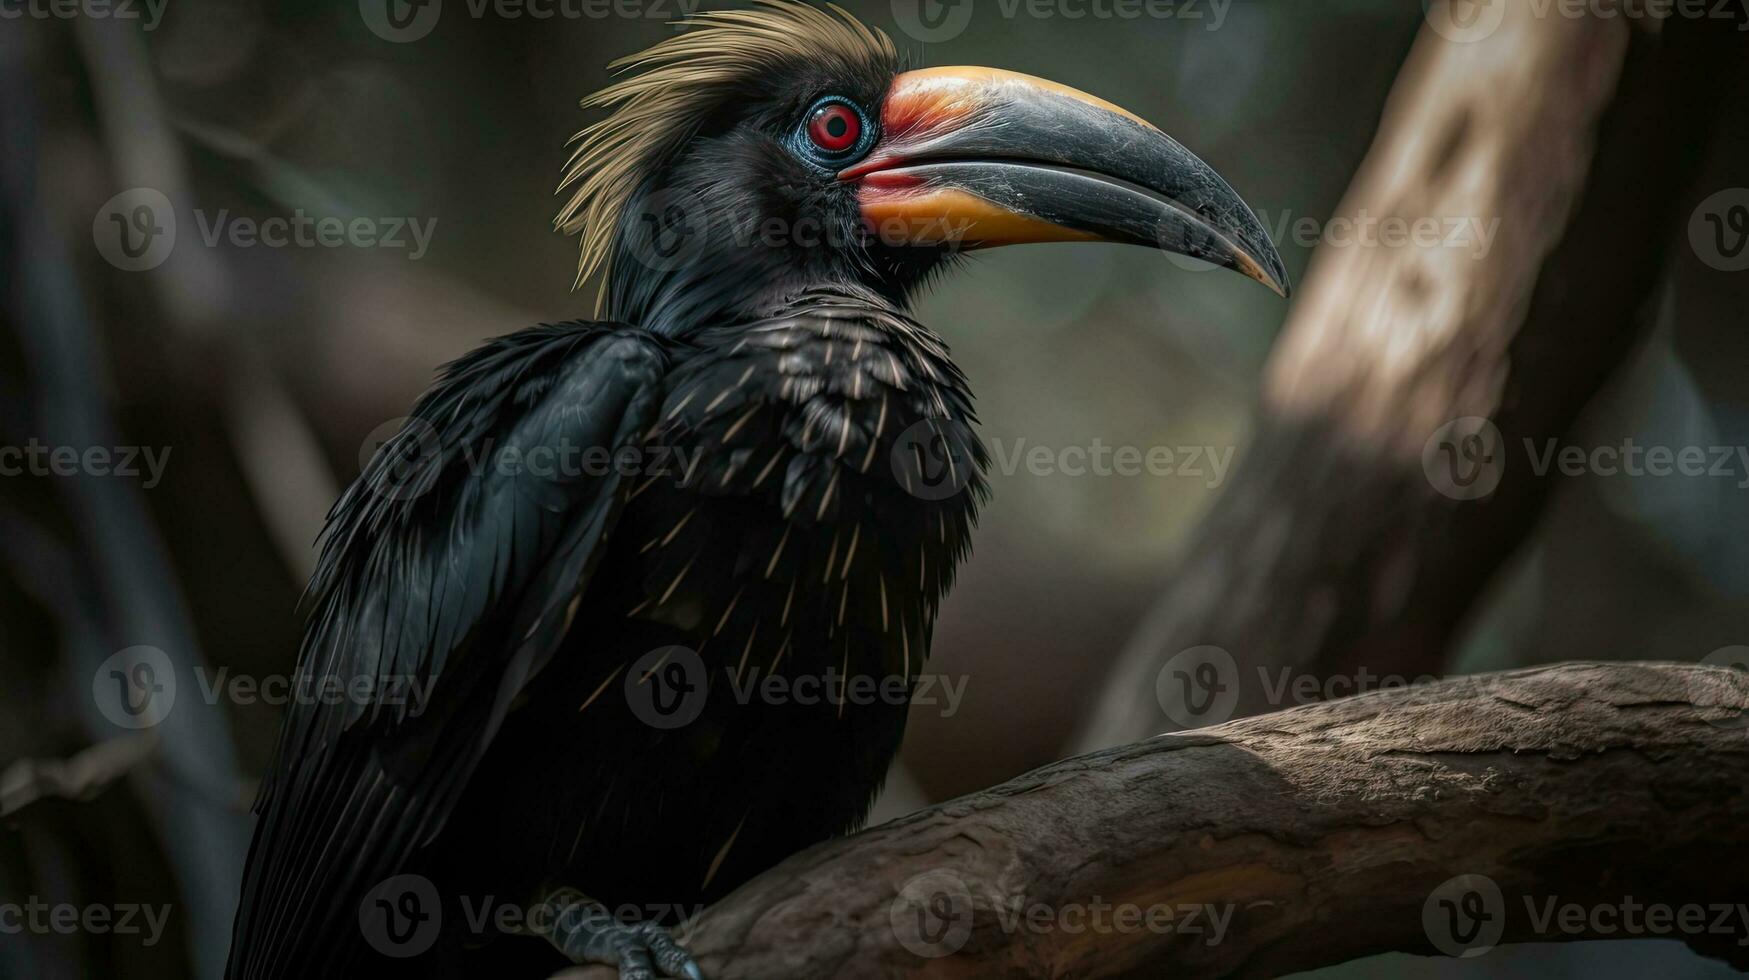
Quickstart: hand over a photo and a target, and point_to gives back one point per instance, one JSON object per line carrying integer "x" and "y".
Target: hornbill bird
{"x": 540, "y": 612}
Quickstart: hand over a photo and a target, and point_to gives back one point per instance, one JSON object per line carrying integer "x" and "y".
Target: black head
{"x": 784, "y": 147}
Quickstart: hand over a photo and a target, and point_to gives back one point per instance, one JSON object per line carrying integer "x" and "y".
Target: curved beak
{"x": 979, "y": 157}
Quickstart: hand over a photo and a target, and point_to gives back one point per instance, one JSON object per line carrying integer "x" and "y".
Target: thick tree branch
{"x": 1318, "y": 834}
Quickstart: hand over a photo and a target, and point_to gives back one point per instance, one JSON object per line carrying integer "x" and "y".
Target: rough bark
{"x": 1335, "y": 548}
{"x": 1322, "y": 831}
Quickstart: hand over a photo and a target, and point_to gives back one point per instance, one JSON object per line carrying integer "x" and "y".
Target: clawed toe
{"x": 587, "y": 933}
{"x": 646, "y": 951}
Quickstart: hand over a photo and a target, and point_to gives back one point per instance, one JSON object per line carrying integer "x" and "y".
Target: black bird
{"x": 540, "y": 611}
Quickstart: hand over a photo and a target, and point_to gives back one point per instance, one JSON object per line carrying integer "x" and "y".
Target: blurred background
{"x": 246, "y": 384}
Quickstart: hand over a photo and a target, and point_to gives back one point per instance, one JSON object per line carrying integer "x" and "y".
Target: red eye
{"x": 834, "y": 127}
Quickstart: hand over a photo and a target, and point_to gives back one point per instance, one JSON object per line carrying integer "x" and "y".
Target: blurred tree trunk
{"x": 1387, "y": 480}
{"x": 84, "y": 556}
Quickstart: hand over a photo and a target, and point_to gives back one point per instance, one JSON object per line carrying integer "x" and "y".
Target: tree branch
{"x": 1318, "y": 834}
{"x": 81, "y": 777}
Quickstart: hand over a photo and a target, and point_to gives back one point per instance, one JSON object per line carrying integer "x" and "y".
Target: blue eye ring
{"x": 809, "y": 136}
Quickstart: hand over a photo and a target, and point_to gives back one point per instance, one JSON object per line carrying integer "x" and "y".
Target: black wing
{"x": 448, "y": 574}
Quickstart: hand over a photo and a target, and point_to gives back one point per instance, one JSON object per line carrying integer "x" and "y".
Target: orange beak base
{"x": 978, "y": 157}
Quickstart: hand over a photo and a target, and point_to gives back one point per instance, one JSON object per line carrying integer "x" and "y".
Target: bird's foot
{"x": 587, "y": 933}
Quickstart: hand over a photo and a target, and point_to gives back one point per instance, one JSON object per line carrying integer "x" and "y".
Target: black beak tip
{"x": 1282, "y": 285}
{"x": 1268, "y": 269}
